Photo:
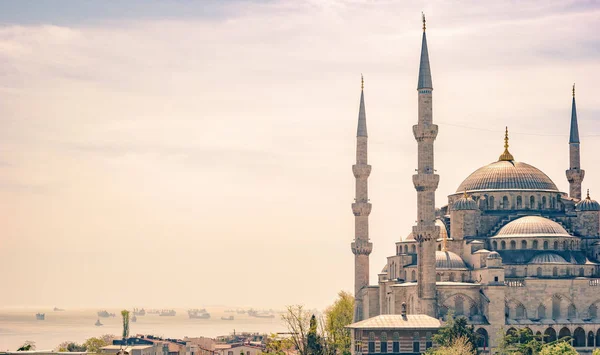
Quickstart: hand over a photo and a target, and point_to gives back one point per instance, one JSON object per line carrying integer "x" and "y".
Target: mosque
{"x": 508, "y": 250}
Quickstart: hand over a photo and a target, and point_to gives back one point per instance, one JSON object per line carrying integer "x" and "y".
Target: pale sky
{"x": 187, "y": 153}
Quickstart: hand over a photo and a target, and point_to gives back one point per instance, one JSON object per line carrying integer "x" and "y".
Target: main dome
{"x": 532, "y": 226}
{"x": 507, "y": 175}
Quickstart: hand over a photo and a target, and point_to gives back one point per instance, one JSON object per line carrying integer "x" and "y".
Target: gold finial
{"x": 423, "y": 16}
{"x": 465, "y": 194}
{"x": 362, "y": 82}
{"x": 573, "y": 89}
{"x": 588, "y": 195}
{"x": 506, "y": 156}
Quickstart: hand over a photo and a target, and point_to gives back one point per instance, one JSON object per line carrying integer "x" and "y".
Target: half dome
{"x": 534, "y": 226}
{"x": 507, "y": 175}
{"x": 448, "y": 260}
{"x": 548, "y": 258}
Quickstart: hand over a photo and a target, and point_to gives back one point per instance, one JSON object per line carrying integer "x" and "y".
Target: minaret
{"x": 426, "y": 182}
{"x": 361, "y": 247}
{"x": 574, "y": 174}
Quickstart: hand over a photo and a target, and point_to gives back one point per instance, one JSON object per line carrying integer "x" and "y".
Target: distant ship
{"x": 240, "y": 311}
{"x": 253, "y": 313}
{"x": 227, "y": 318}
{"x": 198, "y": 313}
{"x": 105, "y": 314}
{"x": 56, "y": 309}
{"x": 139, "y": 312}
{"x": 40, "y": 316}
{"x": 167, "y": 313}
{"x": 153, "y": 311}
{"x": 134, "y": 318}
{"x": 98, "y": 323}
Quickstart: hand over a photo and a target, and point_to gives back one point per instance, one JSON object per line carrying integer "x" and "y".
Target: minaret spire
{"x": 506, "y": 156}
{"x": 361, "y": 246}
{"x": 426, "y": 181}
{"x": 574, "y": 175}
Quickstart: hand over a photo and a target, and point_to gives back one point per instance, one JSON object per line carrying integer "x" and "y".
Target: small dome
{"x": 507, "y": 175}
{"x": 384, "y": 270}
{"x": 448, "y": 260}
{"x": 443, "y": 230}
{"x": 548, "y": 258}
{"x": 465, "y": 204}
{"x": 409, "y": 237}
{"x": 532, "y": 226}
{"x": 494, "y": 255}
{"x": 588, "y": 204}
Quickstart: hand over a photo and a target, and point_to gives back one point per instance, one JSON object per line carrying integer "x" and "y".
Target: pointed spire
{"x": 574, "y": 136}
{"x": 424, "y": 69}
{"x": 444, "y": 242}
{"x": 588, "y": 195}
{"x": 506, "y": 156}
{"x": 362, "y": 116}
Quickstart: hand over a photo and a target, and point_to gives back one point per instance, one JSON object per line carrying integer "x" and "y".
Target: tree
{"x": 337, "y": 317}
{"x": 459, "y": 346}
{"x": 456, "y": 328}
{"x": 558, "y": 348}
{"x": 277, "y": 346}
{"x": 313, "y": 340}
{"x": 125, "y": 314}
{"x": 519, "y": 342}
{"x": 27, "y": 346}
{"x": 596, "y": 352}
{"x": 93, "y": 345}
{"x": 297, "y": 321}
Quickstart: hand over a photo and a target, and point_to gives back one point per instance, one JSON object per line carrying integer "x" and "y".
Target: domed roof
{"x": 532, "y": 226}
{"x": 464, "y": 203}
{"x": 448, "y": 260}
{"x": 588, "y": 204}
{"x": 494, "y": 255}
{"x": 548, "y": 258}
{"x": 507, "y": 175}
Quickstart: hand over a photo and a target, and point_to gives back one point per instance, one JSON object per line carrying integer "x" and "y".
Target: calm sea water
{"x": 19, "y": 325}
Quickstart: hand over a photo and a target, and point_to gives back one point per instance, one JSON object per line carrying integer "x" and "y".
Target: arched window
{"x": 451, "y": 277}
{"x": 428, "y": 342}
{"x": 520, "y": 312}
{"x": 541, "y": 311}
{"x": 413, "y": 249}
{"x": 532, "y": 202}
{"x": 503, "y": 245}
{"x": 535, "y": 244}
{"x": 491, "y": 202}
{"x": 413, "y": 275}
{"x": 572, "y": 245}
{"x": 555, "y": 307}
{"x": 545, "y": 245}
{"x": 544, "y": 202}
{"x": 549, "y": 335}
{"x": 512, "y": 272}
{"x": 513, "y": 245}
{"x": 505, "y": 204}
{"x": 581, "y": 272}
{"x": 564, "y": 332}
{"x": 523, "y": 244}
{"x": 439, "y": 247}
{"x": 495, "y": 245}
{"x": 438, "y": 277}
{"x": 482, "y": 338}
{"x": 396, "y": 343}
{"x": 371, "y": 342}
{"x": 459, "y": 307}
{"x": 519, "y": 202}
{"x": 416, "y": 343}
{"x": 593, "y": 311}
{"x": 571, "y": 311}
{"x": 539, "y": 272}
{"x": 383, "y": 342}
{"x": 555, "y": 245}
{"x": 590, "y": 340}
{"x": 555, "y": 271}
{"x": 564, "y": 245}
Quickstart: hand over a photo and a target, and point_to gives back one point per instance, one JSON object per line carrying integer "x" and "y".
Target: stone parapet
{"x": 361, "y": 208}
{"x": 361, "y": 171}
{"x": 426, "y": 233}
{"x": 362, "y": 247}
{"x": 425, "y": 132}
{"x": 426, "y": 182}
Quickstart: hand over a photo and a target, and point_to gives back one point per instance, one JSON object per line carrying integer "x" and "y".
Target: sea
{"x": 20, "y": 325}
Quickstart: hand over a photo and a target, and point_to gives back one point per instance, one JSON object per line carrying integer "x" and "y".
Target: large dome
{"x": 448, "y": 260}
{"x": 507, "y": 175}
{"x": 532, "y": 226}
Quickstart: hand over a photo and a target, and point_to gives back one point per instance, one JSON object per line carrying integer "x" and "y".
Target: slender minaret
{"x": 426, "y": 182}
{"x": 574, "y": 174}
{"x": 361, "y": 247}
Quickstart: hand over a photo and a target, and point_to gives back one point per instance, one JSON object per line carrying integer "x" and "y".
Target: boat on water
{"x": 98, "y": 323}
{"x": 40, "y": 316}
{"x": 153, "y": 311}
{"x": 134, "y": 319}
{"x": 56, "y": 309}
{"x": 105, "y": 314}
{"x": 198, "y": 313}
{"x": 139, "y": 312}
{"x": 227, "y": 318}
{"x": 241, "y": 311}
{"x": 167, "y": 313}
{"x": 256, "y": 314}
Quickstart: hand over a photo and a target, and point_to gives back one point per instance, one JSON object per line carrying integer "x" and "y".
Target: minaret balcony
{"x": 361, "y": 170}
{"x": 426, "y": 182}
{"x": 362, "y": 247}
{"x": 425, "y": 132}
{"x": 426, "y": 233}
{"x": 361, "y": 208}
{"x": 575, "y": 175}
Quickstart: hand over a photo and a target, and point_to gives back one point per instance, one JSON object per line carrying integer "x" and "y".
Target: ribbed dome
{"x": 507, "y": 175}
{"x": 588, "y": 204}
{"x": 448, "y": 260}
{"x": 548, "y": 258}
{"x": 464, "y": 204}
{"x": 494, "y": 255}
{"x": 532, "y": 226}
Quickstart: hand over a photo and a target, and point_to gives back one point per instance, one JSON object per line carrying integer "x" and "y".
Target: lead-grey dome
{"x": 464, "y": 204}
{"x": 532, "y": 226}
{"x": 507, "y": 175}
{"x": 448, "y": 260}
{"x": 494, "y": 255}
{"x": 548, "y": 258}
{"x": 588, "y": 204}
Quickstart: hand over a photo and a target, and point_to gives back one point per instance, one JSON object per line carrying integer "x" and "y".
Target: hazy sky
{"x": 187, "y": 153}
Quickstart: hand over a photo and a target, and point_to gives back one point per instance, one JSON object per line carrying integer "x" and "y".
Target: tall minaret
{"x": 426, "y": 182}
{"x": 574, "y": 174}
{"x": 361, "y": 247}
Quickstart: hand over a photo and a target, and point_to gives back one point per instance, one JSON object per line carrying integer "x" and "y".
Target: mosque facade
{"x": 508, "y": 250}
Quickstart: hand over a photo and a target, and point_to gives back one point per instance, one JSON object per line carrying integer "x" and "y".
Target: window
{"x": 555, "y": 307}
{"x": 571, "y": 311}
{"x": 491, "y": 202}
{"x": 371, "y": 342}
{"x": 416, "y": 343}
{"x": 539, "y": 272}
{"x": 428, "y": 342}
{"x": 413, "y": 249}
{"x": 503, "y": 245}
{"x": 513, "y": 245}
{"x": 495, "y": 245}
{"x": 581, "y": 272}
{"x": 413, "y": 275}
{"x": 505, "y": 203}
{"x": 451, "y": 278}
{"x": 519, "y": 202}
{"x": 230, "y": 353}
{"x": 383, "y": 342}
{"x": 544, "y": 202}
{"x": 555, "y": 271}
{"x": 593, "y": 313}
{"x": 545, "y": 245}
{"x": 438, "y": 277}
{"x": 495, "y": 278}
{"x": 532, "y": 202}
{"x": 535, "y": 244}
{"x": 523, "y": 244}
{"x": 520, "y": 312}
{"x": 541, "y": 311}
{"x": 396, "y": 343}
{"x": 555, "y": 245}
{"x": 459, "y": 306}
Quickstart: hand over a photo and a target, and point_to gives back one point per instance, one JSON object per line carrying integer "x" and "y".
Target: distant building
{"x": 150, "y": 345}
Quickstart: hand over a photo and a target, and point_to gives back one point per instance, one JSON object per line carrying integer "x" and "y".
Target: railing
{"x": 515, "y": 283}
{"x": 595, "y": 282}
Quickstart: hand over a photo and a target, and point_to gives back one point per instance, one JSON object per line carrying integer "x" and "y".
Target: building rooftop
{"x": 387, "y": 321}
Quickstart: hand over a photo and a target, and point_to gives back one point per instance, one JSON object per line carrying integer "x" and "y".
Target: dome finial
{"x": 465, "y": 194}
{"x": 506, "y": 156}
{"x": 423, "y": 17}
{"x": 362, "y": 82}
{"x": 573, "y": 89}
{"x": 588, "y": 195}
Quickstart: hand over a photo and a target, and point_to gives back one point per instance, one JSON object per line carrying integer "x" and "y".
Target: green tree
{"x": 27, "y": 346}
{"x": 456, "y": 328}
{"x": 93, "y": 345}
{"x": 297, "y": 321}
{"x": 519, "y": 342}
{"x": 596, "y": 352}
{"x": 125, "y": 314}
{"x": 337, "y": 317}
{"x": 558, "y": 348}
{"x": 277, "y": 345}
{"x": 459, "y": 346}
{"x": 313, "y": 340}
